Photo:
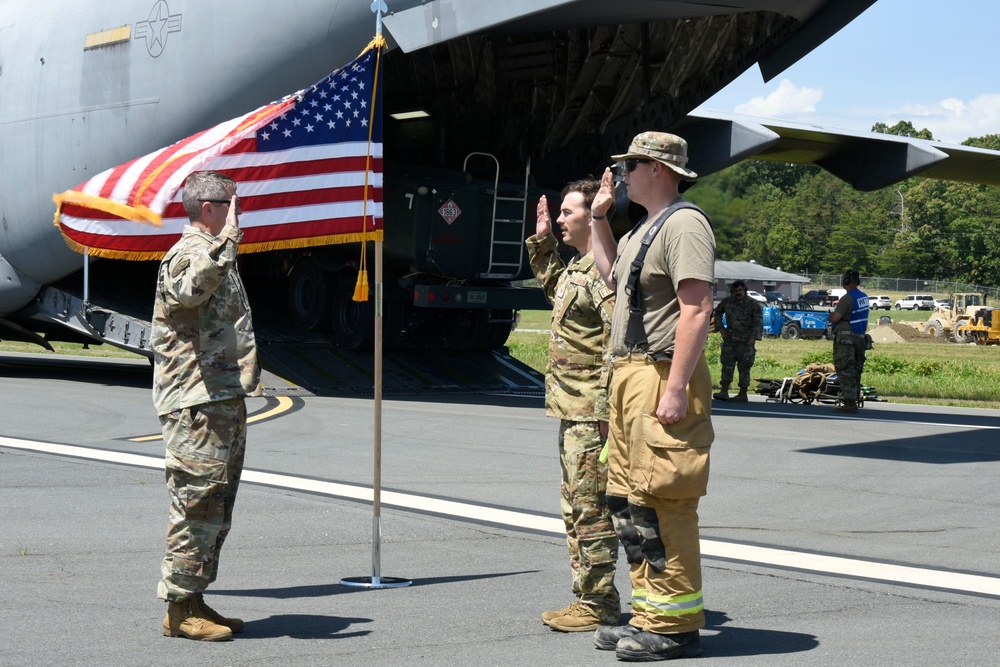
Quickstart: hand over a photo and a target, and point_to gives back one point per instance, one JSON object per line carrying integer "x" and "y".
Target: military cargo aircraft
{"x": 486, "y": 105}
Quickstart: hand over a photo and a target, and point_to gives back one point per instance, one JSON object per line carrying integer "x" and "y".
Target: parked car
{"x": 942, "y": 303}
{"x": 775, "y": 297}
{"x": 915, "y": 302}
{"x": 757, "y": 296}
{"x": 880, "y": 302}
{"x": 819, "y": 297}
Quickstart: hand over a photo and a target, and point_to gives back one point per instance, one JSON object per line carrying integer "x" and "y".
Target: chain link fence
{"x": 873, "y": 284}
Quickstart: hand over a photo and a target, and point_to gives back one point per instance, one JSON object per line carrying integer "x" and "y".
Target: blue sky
{"x": 934, "y": 63}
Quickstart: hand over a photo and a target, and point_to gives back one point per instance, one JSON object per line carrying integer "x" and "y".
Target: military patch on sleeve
{"x": 603, "y": 291}
{"x": 179, "y": 267}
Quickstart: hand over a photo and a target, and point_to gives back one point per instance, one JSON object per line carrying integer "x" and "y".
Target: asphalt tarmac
{"x": 827, "y": 540}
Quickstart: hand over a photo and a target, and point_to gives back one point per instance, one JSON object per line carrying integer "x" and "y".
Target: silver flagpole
{"x": 377, "y": 580}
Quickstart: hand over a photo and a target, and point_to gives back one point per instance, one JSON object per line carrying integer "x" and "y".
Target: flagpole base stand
{"x": 375, "y": 582}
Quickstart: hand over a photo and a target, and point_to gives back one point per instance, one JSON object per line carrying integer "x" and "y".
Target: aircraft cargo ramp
{"x": 295, "y": 363}
{"x": 315, "y": 366}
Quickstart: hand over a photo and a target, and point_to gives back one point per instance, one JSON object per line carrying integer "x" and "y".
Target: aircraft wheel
{"x": 353, "y": 321}
{"x": 308, "y": 295}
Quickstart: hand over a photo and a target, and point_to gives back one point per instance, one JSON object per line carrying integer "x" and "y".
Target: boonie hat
{"x": 668, "y": 149}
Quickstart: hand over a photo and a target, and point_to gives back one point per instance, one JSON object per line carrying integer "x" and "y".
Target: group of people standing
{"x": 627, "y": 376}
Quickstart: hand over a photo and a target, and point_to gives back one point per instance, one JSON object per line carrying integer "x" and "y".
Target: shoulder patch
{"x": 179, "y": 267}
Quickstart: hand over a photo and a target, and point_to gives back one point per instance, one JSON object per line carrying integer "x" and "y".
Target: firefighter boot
{"x": 606, "y": 638}
{"x": 740, "y": 397}
{"x": 234, "y": 624}
{"x": 186, "y": 619}
{"x": 847, "y": 406}
{"x": 648, "y": 646}
{"x": 723, "y": 394}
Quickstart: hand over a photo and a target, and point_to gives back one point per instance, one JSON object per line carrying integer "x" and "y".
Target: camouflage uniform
{"x": 205, "y": 364}
{"x": 744, "y": 320}
{"x": 576, "y": 380}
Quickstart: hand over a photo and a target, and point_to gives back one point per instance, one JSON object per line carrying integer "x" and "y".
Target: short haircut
{"x": 203, "y": 185}
{"x": 588, "y": 187}
{"x": 738, "y": 283}
{"x": 850, "y": 276}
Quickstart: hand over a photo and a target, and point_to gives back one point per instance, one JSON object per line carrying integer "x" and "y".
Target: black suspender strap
{"x": 635, "y": 333}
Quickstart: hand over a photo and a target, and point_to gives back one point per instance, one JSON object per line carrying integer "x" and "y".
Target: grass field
{"x": 927, "y": 373}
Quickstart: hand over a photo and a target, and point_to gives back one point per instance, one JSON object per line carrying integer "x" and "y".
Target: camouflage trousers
{"x": 656, "y": 476}
{"x": 590, "y": 535}
{"x": 737, "y": 355}
{"x": 204, "y": 461}
{"x": 849, "y": 360}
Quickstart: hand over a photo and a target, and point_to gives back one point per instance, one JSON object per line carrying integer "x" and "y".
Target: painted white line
{"x": 756, "y": 555}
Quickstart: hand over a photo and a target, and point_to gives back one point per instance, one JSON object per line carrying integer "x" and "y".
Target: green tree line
{"x": 803, "y": 219}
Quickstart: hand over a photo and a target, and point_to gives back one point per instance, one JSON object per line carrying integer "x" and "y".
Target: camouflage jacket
{"x": 203, "y": 342}
{"x": 576, "y": 377}
{"x": 744, "y": 319}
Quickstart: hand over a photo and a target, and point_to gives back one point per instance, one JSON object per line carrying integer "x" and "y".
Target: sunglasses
{"x": 222, "y": 201}
{"x": 633, "y": 162}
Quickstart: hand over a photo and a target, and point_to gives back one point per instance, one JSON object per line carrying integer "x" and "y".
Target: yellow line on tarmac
{"x": 284, "y": 405}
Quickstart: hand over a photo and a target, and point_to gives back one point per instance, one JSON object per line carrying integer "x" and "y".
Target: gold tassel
{"x": 361, "y": 288}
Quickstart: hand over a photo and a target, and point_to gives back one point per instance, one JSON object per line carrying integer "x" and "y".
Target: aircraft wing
{"x": 866, "y": 160}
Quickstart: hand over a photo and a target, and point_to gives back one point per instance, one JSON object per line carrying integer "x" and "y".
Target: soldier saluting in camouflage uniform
{"x": 205, "y": 363}
{"x": 576, "y": 392}
{"x": 744, "y": 326}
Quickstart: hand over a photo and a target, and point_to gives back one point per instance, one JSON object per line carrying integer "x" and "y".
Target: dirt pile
{"x": 903, "y": 332}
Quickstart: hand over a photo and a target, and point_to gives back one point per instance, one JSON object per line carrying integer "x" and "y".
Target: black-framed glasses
{"x": 633, "y": 162}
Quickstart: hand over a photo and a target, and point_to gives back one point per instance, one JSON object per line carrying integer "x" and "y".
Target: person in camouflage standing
{"x": 204, "y": 365}
{"x": 576, "y": 392}
{"x": 744, "y": 326}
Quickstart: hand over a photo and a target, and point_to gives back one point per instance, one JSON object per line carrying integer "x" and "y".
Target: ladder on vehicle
{"x": 507, "y": 230}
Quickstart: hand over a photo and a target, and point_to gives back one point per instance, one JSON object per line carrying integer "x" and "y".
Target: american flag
{"x": 308, "y": 170}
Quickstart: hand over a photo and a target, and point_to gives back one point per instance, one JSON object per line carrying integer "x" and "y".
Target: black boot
{"x": 649, "y": 646}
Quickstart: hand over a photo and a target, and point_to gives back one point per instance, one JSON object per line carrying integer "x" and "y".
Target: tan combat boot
{"x": 186, "y": 619}
{"x": 234, "y": 624}
{"x": 580, "y": 617}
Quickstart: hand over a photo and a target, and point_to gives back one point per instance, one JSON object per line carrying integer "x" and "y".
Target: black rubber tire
{"x": 791, "y": 331}
{"x": 353, "y": 322}
{"x": 308, "y": 295}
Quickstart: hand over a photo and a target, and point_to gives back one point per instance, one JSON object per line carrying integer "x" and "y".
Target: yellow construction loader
{"x": 967, "y": 320}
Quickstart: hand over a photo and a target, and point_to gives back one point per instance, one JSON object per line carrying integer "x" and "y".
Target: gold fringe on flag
{"x": 361, "y": 288}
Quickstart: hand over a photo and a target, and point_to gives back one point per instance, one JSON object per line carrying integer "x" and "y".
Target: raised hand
{"x": 543, "y": 225}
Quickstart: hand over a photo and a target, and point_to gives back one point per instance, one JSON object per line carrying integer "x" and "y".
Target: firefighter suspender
{"x": 635, "y": 333}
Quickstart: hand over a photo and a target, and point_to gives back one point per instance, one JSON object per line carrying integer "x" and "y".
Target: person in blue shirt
{"x": 850, "y": 324}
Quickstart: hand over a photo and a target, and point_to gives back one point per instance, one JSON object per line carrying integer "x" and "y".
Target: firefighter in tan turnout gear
{"x": 663, "y": 272}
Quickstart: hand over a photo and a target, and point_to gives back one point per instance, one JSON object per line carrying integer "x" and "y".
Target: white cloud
{"x": 952, "y": 120}
{"x": 786, "y": 100}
